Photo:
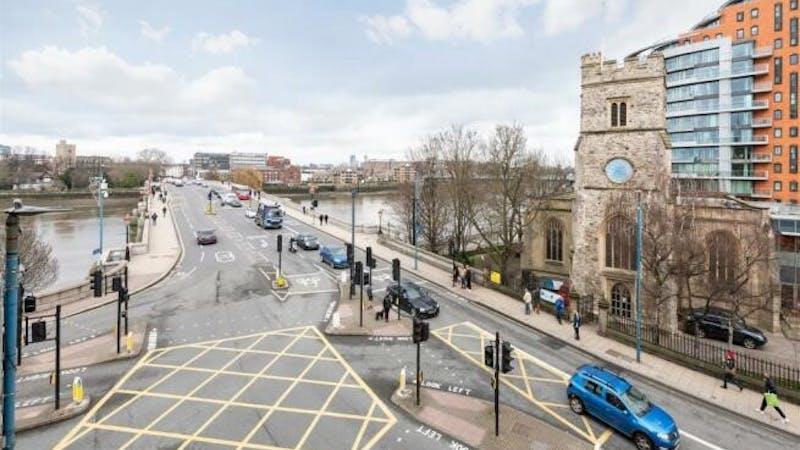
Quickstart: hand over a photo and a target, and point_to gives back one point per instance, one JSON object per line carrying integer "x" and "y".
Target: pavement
{"x": 677, "y": 377}
{"x": 218, "y": 301}
{"x": 348, "y": 322}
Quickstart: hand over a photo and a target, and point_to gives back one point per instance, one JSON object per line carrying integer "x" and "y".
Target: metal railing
{"x": 694, "y": 352}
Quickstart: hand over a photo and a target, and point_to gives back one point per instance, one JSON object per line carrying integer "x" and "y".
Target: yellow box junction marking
{"x": 521, "y": 382}
{"x": 365, "y": 436}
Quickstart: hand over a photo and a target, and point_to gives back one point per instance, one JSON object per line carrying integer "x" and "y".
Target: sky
{"x": 314, "y": 80}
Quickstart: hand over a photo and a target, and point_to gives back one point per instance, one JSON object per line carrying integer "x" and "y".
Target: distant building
{"x": 176, "y": 170}
{"x": 5, "y": 152}
{"x": 65, "y": 155}
{"x": 404, "y": 173}
{"x": 92, "y": 162}
{"x": 380, "y": 169}
{"x": 277, "y": 162}
{"x": 36, "y": 181}
{"x": 240, "y": 160}
{"x": 353, "y": 162}
{"x": 289, "y": 176}
{"x": 345, "y": 177}
{"x": 204, "y": 162}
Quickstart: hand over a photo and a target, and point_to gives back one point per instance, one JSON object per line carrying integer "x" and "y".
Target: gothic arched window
{"x": 613, "y": 114}
{"x": 621, "y": 301}
{"x": 623, "y": 114}
{"x": 620, "y": 239}
{"x": 554, "y": 230}
{"x": 723, "y": 252}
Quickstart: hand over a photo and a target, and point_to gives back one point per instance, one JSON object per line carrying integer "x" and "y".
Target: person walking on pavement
{"x": 462, "y": 274}
{"x": 326, "y": 219}
{"x": 387, "y": 306}
{"x": 771, "y": 398}
{"x": 304, "y": 210}
{"x": 164, "y": 211}
{"x": 320, "y": 219}
{"x": 526, "y": 298}
{"x": 559, "y": 309}
{"x": 455, "y": 274}
{"x": 577, "y": 321}
{"x": 730, "y": 371}
{"x": 468, "y": 276}
{"x": 154, "y": 217}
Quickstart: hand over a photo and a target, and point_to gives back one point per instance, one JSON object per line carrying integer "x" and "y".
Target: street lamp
{"x": 380, "y": 221}
{"x": 102, "y": 193}
{"x": 10, "y": 311}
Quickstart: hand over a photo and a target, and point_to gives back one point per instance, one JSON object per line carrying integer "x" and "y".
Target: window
{"x": 793, "y": 59}
{"x": 777, "y": 150}
{"x": 777, "y": 114}
{"x": 754, "y": 13}
{"x": 723, "y": 252}
{"x": 793, "y": 159}
{"x": 792, "y": 131}
{"x": 777, "y": 132}
{"x": 777, "y": 97}
{"x": 614, "y": 401}
{"x": 792, "y": 4}
{"x": 793, "y": 186}
{"x": 777, "y": 167}
{"x": 793, "y": 31}
{"x": 614, "y": 121}
{"x": 740, "y": 33}
{"x": 776, "y": 186}
{"x": 754, "y": 30}
{"x": 593, "y": 387}
{"x": 778, "y": 70}
{"x": 620, "y": 248}
{"x": 778, "y": 16}
{"x": 778, "y": 43}
{"x": 555, "y": 240}
{"x": 718, "y": 36}
{"x": 620, "y": 301}
{"x": 793, "y": 92}
{"x": 623, "y": 114}
{"x": 740, "y": 16}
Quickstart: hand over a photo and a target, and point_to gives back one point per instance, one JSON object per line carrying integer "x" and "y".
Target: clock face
{"x": 619, "y": 170}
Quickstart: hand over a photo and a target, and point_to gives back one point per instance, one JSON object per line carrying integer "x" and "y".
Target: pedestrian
{"x": 559, "y": 309}
{"x": 468, "y": 276}
{"x": 537, "y": 301}
{"x": 320, "y": 219}
{"x": 304, "y": 210}
{"x": 387, "y": 306}
{"x": 326, "y": 219}
{"x": 154, "y": 217}
{"x": 526, "y": 298}
{"x": 771, "y": 398}
{"x": 462, "y": 275}
{"x": 577, "y": 321}
{"x": 455, "y": 274}
{"x": 730, "y": 371}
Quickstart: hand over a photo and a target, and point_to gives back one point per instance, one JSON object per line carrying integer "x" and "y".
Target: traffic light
{"x": 116, "y": 283}
{"x": 122, "y": 294}
{"x": 370, "y": 261}
{"x": 209, "y": 195}
{"x": 29, "y": 304}
{"x": 38, "y": 331}
{"x": 421, "y": 331}
{"x": 358, "y": 276}
{"x": 280, "y": 243}
{"x": 488, "y": 355}
{"x": 96, "y": 283}
{"x": 349, "y": 254}
{"x": 507, "y": 358}
{"x": 396, "y": 269}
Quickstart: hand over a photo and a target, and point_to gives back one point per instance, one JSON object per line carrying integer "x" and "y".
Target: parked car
{"x": 242, "y": 195}
{"x": 250, "y": 213}
{"x": 413, "y": 299}
{"x": 714, "y": 323}
{"x": 308, "y": 242}
{"x": 336, "y": 257}
{"x": 206, "y": 237}
{"x": 610, "y": 398}
{"x": 230, "y": 199}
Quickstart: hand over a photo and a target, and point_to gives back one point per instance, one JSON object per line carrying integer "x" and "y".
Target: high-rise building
{"x": 65, "y": 155}
{"x": 732, "y": 101}
{"x": 204, "y": 162}
{"x": 353, "y": 162}
{"x": 240, "y": 160}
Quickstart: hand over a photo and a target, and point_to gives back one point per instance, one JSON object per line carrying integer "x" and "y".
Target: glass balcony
{"x": 761, "y": 193}
{"x": 762, "y": 52}
{"x": 736, "y": 174}
{"x": 763, "y": 86}
{"x": 762, "y": 123}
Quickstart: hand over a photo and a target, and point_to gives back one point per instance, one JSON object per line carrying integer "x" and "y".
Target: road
{"x": 285, "y": 384}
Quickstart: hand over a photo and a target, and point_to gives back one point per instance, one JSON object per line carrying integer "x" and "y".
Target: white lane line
{"x": 265, "y": 274}
{"x": 42, "y": 375}
{"x": 700, "y": 441}
{"x": 185, "y": 275}
{"x": 291, "y": 229}
{"x": 152, "y": 339}
{"x": 202, "y": 256}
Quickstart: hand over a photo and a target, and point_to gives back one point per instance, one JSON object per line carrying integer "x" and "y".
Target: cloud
{"x": 154, "y": 34}
{"x": 474, "y": 20}
{"x": 222, "y": 43}
{"x": 90, "y": 19}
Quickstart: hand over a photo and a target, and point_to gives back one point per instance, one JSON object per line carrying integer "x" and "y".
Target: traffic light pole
{"x": 497, "y": 384}
{"x": 360, "y": 275}
{"x": 119, "y": 316}
{"x": 58, "y": 358}
{"x": 418, "y": 380}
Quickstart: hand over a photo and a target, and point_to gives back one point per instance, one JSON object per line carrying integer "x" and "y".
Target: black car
{"x": 206, "y": 237}
{"x": 307, "y": 242}
{"x": 413, "y": 299}
{"x": 714, "y": 323}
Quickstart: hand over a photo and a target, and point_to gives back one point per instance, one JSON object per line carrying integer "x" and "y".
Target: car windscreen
{"x": 636, "y": 401}
{"x": 338, "y": 252}
{"x": 413, "y": 293}
{"x": 274, "y": 213}
{"x": 205, "y": 233}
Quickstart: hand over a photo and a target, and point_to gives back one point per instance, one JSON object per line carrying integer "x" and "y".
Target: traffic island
{"x": 345, "y": 321}
{"x": 471, "y": 421}
{"x": 41, "y": 415}
{"x": 99, "y": 350}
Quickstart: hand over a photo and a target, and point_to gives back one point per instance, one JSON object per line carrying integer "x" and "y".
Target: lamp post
{"x": 380, "y": 221}
{"x": 102, "y": 193}
{"x": 414, "y": 218}
{"x": 10, "y": 311}
{"x": 353, "y": 235}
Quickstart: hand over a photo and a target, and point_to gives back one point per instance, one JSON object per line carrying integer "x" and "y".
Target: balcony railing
{"x": 762, "y": 123}
{"x": 736, "y": 174}
{"x": 764, "y": 86}
{"x": 762, "y": 52}
{"x": 752, "y": 158}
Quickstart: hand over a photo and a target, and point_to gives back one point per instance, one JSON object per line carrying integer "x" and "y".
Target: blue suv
{"x": 335, "y": 256}
{"x": 610, "y": 398}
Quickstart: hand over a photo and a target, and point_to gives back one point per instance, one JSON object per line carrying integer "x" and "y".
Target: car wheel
{"x": 642, "y": 442}
{"x": 576, "y": 405}
{"x": 749, "y": 343}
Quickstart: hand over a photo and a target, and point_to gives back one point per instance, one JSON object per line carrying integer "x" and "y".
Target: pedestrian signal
{"x": 396, "y": 269}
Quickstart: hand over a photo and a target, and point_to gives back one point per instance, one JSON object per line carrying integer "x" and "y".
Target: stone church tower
{"x": 623, "y": 148}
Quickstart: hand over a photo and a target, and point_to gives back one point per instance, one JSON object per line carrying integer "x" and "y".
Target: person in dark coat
{"x": 154, "y": 217}
{"x": 455, "y": 275}
{"x": 387, "y": 306}
{"x": 320, "y": 219}
{"x": 164, "y": 211}
{"x": 468, "y": 276}
{"x": 730, "y": 371}
{"x": 577, "y": 321}
{"x": 326, "y": 219}
{"x": 771, "y": 392}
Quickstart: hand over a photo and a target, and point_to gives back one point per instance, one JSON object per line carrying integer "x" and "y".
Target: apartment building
{"x": 732, "y": 101}
{"x": 240, "y": 160}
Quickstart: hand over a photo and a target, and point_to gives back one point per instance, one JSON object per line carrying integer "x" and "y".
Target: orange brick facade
{"x": 769, "y": 23}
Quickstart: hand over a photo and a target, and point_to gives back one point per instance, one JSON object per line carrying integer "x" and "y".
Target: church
{"x": 698, "y": 250}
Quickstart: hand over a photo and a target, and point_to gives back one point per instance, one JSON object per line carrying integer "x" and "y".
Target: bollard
{"x": 129, "y": 342}
{"x": 402, "y": 380}
{"x": 336, "y": 320}
{"x": 77, "y": 390}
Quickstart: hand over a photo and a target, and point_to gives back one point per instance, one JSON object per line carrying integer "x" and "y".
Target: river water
{"x": 367, "y": 207}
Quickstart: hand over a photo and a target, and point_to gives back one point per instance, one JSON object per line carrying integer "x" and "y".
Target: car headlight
{"x": 664, "y": 436}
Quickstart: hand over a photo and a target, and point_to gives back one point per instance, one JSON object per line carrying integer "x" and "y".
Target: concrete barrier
{"x": 79, "y": 291}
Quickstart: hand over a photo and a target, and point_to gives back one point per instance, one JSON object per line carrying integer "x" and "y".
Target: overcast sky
{"x": 312, "y": 80}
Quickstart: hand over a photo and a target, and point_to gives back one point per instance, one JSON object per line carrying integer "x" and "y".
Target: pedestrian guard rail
{"x": 699, "y": 354}
{"x": 79, "y": 291}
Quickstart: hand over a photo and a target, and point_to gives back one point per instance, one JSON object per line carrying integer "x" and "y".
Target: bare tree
{"x": 402, "y": 205}
{"x": 153, "y": 156}
{"x": 36, "y": 255}
{"x": 432, "y": 208}
{"x": 459, "y": 148}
